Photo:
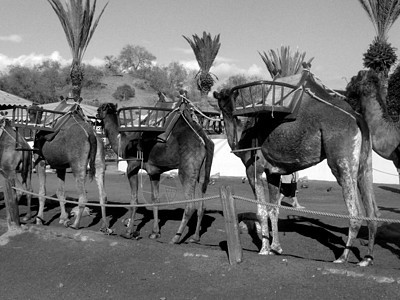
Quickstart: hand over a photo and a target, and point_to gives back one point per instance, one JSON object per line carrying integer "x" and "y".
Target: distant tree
{"x": 112, "y": 65}
{"x": 159, "y": 79}
{"x": 93, "y": 76}
{"x": 134, "y": 58}
{"x": 237, "y": 80}
{"x": 124, "y": 92}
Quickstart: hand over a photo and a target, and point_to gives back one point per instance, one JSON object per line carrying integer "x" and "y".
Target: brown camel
{"x": 324, "y": 128}
{"x": 366, "y": 89}
{"x": 186, "y": 148}
{"x": 12, "y": 159}
{"x": 74, "y": 145}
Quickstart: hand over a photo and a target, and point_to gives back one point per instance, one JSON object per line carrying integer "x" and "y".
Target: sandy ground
{"x": 53, "y": 262}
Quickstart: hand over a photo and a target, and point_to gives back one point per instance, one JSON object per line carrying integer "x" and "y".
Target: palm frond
{"x": 284, "y": 63}
{"x": 205, "y": 49}
{"x": 76, "y": 18}
{"x": 382, "y": 14}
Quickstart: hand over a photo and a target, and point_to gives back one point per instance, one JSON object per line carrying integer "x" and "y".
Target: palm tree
{"x": 205, "y": 50}
{"x": 76, "y": 17}
{"x": 380, "y": 55}
{"x": 284, "y": 63}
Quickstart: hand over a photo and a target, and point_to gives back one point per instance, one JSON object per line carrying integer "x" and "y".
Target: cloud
{"x": 15, "y": 38}
{"x": 32, "y": 59}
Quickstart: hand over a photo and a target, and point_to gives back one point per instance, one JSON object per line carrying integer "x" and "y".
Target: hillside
{"x": 144, "y": 95}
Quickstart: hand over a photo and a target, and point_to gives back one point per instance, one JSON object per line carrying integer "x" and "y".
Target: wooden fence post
{"x": 235, "y": 251}
{"x": 11, "y": 203}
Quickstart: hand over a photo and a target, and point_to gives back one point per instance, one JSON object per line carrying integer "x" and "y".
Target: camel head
{"x": 106, "y": 109}
{"x": 225, "y": 100}
{"x": 365, "y": 85}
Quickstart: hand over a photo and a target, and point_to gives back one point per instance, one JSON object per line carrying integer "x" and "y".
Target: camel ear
{"x": 116, "y": 106}
{"x": 216, "y": 95}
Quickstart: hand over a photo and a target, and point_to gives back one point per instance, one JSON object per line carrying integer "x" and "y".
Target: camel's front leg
{"x": 41, "y": 172}
{"x": 155, "y": 198}
{"x": 100, "y": 173}
{"x": 354, "y": 208}
{"x": 256, "y": 184}
{"x": 133, "y": 182}
{"x": 273, "y": 212}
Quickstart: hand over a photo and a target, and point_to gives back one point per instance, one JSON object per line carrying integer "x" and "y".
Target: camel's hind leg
{"x": 133, "y": 182}
{"x": 80, "y": 178}
{"x": 61, "y": 196}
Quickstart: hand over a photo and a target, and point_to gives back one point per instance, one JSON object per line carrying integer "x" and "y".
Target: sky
{"x": 335, "y": 32}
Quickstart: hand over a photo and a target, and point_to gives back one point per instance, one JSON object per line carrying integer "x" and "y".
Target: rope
{"x": 306, "y": 211}
{"x": 313, "y": 212}
{"x": 386, "y": 172}
{"x": 198, "y": 110}
{"x": 308, "y": 91}
{"x": 123, "y": 205}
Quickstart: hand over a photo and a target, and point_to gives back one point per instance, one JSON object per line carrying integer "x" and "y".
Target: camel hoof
{"x": 194, "y": 240}
{"x": 339, "y": 261}
{"x": 154, "y": 235}
{"x": 131, "y": 235}
{"x": 39, "y": 221}
{"x": 367, "y": 261}
{"x": 175, "y": 239}
{"x": 73, "y": 226}
{"x": 26, "y": 218}
{"x": 276, "y": 251}
{"x": 106, "y": 230}
{"x": 264, "y": 252}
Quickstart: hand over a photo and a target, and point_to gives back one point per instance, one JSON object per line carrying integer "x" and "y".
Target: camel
{"x": 366, "y": 88}
{"x": 12, "y": 159}
{"x": 186, "y": 148}
{"x": 324, "y": 128}
{"x": 74, "y": 145}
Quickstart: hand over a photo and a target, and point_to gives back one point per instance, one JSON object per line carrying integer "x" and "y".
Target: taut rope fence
{"x": 228, "y": 202}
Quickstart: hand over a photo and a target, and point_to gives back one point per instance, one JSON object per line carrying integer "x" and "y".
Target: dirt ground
{"x": 53, "y": 262}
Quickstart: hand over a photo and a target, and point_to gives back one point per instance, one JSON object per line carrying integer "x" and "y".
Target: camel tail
{"x": 208, "y": 162}
{"x": 92, "y": 155}
{"x": 26, "y": 168}
{"x": 365, "y": 176}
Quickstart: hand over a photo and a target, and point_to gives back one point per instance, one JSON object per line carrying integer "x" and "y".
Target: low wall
{"x": 226, "y": 163}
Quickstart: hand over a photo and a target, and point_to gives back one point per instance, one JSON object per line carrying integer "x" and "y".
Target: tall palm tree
{"x": 284, "y": 62}
{"x": 205, "y": 50}
{"x": 76, "y": 17}
{"x": 380, "y": 55}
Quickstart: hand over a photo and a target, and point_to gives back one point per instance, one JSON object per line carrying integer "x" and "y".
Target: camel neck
{"x": 385, "y": 132}
{"x": 111, "y": 130}
{"x": 233, "y": 127}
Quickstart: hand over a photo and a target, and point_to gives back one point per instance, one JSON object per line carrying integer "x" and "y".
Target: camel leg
{"x": 61, "y": 196}
{"x": 273, "y": 212}
{"x": 365, "y": 187}
{"x": 100, "y": 173}
{"x": 262, "y": 213}
{"x": 80, "y": 179}
{"x": 351, "y": 198}
{"x": 41, "y": 172}
{"x": 155, "y": 198}
{"x": 200, "y": 215}
{"x": 189, "y": 186}
{"x": 133, "y": 182}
